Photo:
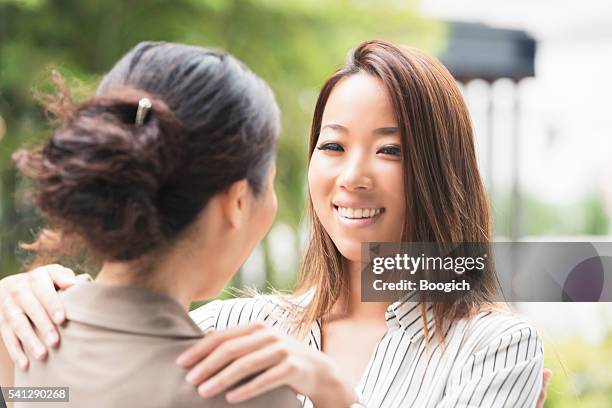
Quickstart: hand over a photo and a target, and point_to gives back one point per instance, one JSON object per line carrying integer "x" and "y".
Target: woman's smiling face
{"x": 355, "y": 176}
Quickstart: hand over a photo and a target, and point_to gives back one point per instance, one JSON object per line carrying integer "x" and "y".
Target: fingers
{"x": 42, "y": 283}
{"x": 547, "y": 374}
{"x": 32, "y": 298}
{"x": 16, "y": 320}
{"x": 13, "y": 347}
{"x": 38, "y": 315}
{"x": 542, "y": 398}
{"x": 211, "y": 341}
{"x": 546, "y": 377}
{"x": 242, "y": 368}
{"x": 268, "y": 380}
{"x": 228, "y": 352}
{"x": 62, "y": 277}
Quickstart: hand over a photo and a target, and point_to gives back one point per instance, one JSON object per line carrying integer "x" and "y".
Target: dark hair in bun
{"x": 125, "y": 189}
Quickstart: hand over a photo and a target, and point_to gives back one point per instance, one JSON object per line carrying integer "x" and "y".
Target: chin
{"x": 351, "y": 250}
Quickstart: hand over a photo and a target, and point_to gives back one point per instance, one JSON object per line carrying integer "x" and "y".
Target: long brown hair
{"x": 445, "y": 197}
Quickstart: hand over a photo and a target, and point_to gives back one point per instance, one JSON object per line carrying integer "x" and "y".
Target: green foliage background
{"x": 294, "y": 45}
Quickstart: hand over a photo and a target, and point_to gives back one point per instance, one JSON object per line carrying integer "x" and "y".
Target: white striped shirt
{"x": 494, "y": 359}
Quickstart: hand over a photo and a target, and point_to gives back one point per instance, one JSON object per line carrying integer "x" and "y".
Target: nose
{"x": 355, "y": 175}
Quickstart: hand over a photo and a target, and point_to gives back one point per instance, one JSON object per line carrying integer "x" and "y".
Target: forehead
{"x": 359, "y": 100}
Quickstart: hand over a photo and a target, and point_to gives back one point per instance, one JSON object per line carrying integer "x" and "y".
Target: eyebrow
{"x": 389, "y": 130}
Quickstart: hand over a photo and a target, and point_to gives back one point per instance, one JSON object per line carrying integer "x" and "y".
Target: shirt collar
{"x": 128, "y": 309}
{"x": 407, "y": 315}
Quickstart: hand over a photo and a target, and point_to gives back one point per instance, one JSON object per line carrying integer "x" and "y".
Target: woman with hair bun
{"x": 166, "y": 178}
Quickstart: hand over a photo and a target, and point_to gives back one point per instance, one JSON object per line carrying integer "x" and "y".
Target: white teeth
{"x": 358, "y": 212}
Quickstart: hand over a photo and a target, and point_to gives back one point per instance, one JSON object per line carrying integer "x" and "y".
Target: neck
{"x": 350, "y": 305}
{"x": 160, "y": 277}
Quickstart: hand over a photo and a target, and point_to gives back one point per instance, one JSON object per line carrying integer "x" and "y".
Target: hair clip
{"x": 143, "y": 107}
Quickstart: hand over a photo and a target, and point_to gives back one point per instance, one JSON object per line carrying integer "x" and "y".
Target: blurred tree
{"x": 586, "y": 217}
{"x": 582, "y": 373}
{"x": 294, "y": 45}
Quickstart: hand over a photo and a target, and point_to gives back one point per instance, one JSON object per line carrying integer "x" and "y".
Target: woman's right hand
{"x": 30, "y": 310}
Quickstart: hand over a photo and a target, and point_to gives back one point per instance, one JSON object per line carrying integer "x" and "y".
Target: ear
{"x": 234, "y": 202}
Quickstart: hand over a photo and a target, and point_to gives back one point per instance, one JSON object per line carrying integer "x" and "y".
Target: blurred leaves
{"x": 582, "y": 376}
{"x": 294, "y": 45}
{"x": 586, "y": 217}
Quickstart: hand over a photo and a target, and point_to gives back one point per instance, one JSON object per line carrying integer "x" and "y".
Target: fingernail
{"x": 23, "y": 362}
{"x": 58, "y": 317}
{"x": 39, "y": 352}
{"x": 207, "y": 389}
{"x": 84, "y": 276}
{"x": 182, "y": 360}
{"x": 191, "y": 376}
{"x": 51, "y": 339}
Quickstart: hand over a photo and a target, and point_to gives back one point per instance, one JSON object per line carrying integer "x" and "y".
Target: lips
{"x": 357, "y": 215}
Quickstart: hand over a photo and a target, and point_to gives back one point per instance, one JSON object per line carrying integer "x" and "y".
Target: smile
{"x": 357, "y": 217}
{"x": 356, "y": 213}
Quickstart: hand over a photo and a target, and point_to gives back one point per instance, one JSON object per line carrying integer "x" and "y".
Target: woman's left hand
{"x": 224, "y": 358}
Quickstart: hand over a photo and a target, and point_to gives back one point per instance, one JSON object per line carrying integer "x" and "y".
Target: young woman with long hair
{"x": 166, "y": 178}
{"x": 391, "y": 158}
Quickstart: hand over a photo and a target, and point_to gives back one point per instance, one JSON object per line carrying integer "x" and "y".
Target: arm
{"x": 31, "y": 298}
{"x": 505, "y": 373}
{"x": 267, "y": 360}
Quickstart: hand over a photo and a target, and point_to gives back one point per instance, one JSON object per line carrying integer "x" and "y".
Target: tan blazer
{"x": 119, "y": 349}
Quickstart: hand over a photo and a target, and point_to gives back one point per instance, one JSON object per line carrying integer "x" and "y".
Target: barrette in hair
{"x": 143, "y": 108}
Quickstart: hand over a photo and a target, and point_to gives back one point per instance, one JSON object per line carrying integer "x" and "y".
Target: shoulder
{"x": 498, "y": 322}
{"x": 498, "y": 359}
{"x": 495, "y": 331}
{"x": 221, "y": 314}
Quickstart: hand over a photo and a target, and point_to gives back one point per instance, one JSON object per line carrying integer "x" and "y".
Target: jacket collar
{"x": 128, "y": 309}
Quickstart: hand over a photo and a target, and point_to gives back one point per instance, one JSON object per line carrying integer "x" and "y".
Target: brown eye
{"x": 390, "y": 150}
{"x": 331, "y": 146}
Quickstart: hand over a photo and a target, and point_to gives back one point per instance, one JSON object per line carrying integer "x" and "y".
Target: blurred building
{"x": 477, "y": 52}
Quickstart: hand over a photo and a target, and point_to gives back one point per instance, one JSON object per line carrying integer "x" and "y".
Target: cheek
{"x": 263, "y": 217}
{"x": 274, "y": 206}
{"x": 320, "y": 185}
{"x": 270, "y": 209}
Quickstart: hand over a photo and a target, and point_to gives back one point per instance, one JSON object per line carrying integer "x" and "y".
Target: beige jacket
{"x": 119, "y": 349}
